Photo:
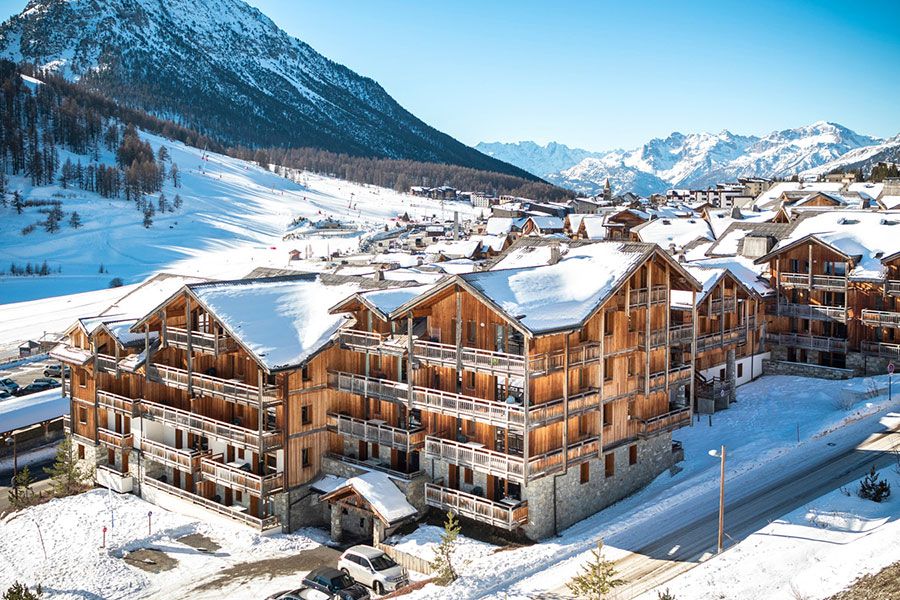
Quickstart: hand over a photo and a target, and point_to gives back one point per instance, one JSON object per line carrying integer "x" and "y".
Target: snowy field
{"x": 233, "y": 219}
{"x": 812, "y": 552}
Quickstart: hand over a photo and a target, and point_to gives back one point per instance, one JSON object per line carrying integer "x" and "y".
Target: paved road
{"x": 680, "y": 551}
{"x": 37, "y": 471}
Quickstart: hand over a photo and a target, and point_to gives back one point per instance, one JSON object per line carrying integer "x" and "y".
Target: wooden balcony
{"x": 892, "y": 287}
{"x": 681, "y": 334}
{"x": 261, "y": 524}
{"x": 552, "y": 461}
{"x": 637, "y": 297}
{"x": 581, "y": 355}
{"x": 116, "y": 403}
{"x": 505, "y": 515}
{"x": 106, "y": 364}
{"x": 114, "y": 439}
{"x": 230, "y": 390}
{"x": 677, "y": 375}
{"x": 67, "y": 424}
{"x": 722, "y": 339}
{"x": 178, "y": 458}
{"x": 114, "y": 479}
{"x": 657, "y": 339}
{"x": 213, "y": 468}
{"x": 881, "y": 318}
{"x": 674, "y": 419}
{"x": 370, "y": 387}
{"x": 500, "y": 364}
{"x": 809, "y": 311}
{"x": 370, "y": 342}
{"x": 477, "y": 457}
{"x": 808, "y": 342}
{"x": 499, "y": 414}
{"x": 207, "y": 343}
{"x": 815, "y": 282}
{"x": 377, "y": 432}
{"x": 545, "y": 413}
{"x": 713, "y": 306}
{"x": 880, "y": 349}
{"x": 248, "y": 439}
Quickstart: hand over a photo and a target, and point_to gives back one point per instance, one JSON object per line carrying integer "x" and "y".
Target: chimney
{"x": 379, "y": 274}
{"x": 455, "y": 225}
{"x": 736, "y": 212}
{"x": 672, "y": 249}
{"x": 554, "y": 254}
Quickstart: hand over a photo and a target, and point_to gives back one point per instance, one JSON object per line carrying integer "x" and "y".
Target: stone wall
{"x": 863, "y": 365}
{"x": 780, "y": 367}
{"x": 575, "y": 501}
{"x": 413, "y": 489}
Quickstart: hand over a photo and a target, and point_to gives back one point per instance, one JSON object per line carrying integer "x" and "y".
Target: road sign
{"x": 890, "y": 367}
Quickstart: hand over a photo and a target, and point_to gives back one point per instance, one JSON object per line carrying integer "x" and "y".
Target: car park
{"x": 373, "y": 568}
{"x": 337, "y": 583}
{"x": 33, "y": 388}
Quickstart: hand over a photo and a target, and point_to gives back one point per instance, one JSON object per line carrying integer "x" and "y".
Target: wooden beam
{"x": 526, "y": 401}
{"x": 190, "y": 350}
{"x": 693, "y": 349}
{"x": 409, "y": 354}
{"x": 668, "y": 324}
{"x": 647, "y": 329}
{"x": 96, "y": 380}
{"x": 566, "y": 405}
{"x": 459, "y": 329}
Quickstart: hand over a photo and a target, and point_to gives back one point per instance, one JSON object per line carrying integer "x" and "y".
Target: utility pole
{"x": 12, "y": 440}
{"x": 722, "y": 501}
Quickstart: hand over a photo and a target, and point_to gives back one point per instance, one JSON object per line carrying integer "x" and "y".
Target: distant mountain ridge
{"x": 695, "y": 160}
{"x": 225, "y": 69}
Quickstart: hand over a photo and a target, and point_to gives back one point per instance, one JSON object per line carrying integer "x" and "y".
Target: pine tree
{"x": 442, "y": 565}
{"x": 101, "y": 271}
{"x": 173, "y": 173}
{"x": 177, "y": 202}
{"x": 21, "y": 494}
{"x": 162, "y": 155}
{"x": 147, "y": 220}
{"x": 871, "y": 488}
{"x": 66, "y": 473}
{"x": 75, "y": 220}
{"x": 597, "y": 579}
{"x": 51, "y": 225}
{"x": 45, "y": 269}
{"x": 20, "y": 591}
{"x": 163, "y": 203}
{"x": 17, "y": 202}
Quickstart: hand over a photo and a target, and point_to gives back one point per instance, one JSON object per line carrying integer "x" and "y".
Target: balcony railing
{"x": 207, "y": 343}
{"x": 579, "y": 356}
{"x": 546, "y": 413}
{"x": 505, "y": 515}
{"x": 177, "y": 458}
{"x": 892, "y": 287}
{"x": 817, "y": 282}
{"x": 226, "y": 389}
{"x": 114, "y": 439}
{"x": 720, "y": 339}
{"x": 552, "y": 461}
{"x": 881, "y": 349}
{"x": 206, "y": 426}
{"x": 477, "y": 457}
{"x": 677, "y": 374}
{"x": 377, "y": 432}
{"x": 117, "y": 403}
{"x": 809, "y": 311}
{"x": 657, "y": 339}
{"x": 681, "y": 334}
{"x": 106, "y": 364}
{"x": 215, "y": 469}
{"x": 881, "y": 318}
{"x": 662, "y": 423}
{"x": 637, "y": 297}
{"x": 373, "y": 464}
{"x": 473, "y": 359}
{"x": 67, "y": 424}
{"x": 371, "y": 342}
{"x": 498, "y": 414}
{"x": 261, "y": 524}
{"x": 370, "y": 387}
{"x": 809, "y": 342}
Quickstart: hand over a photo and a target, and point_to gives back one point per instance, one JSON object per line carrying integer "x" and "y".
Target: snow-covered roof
{"x": 460, "y": 248}
{"x": 674, "y": 231}
{"x": 547, "y": 223}
{"x": 770, "y": 197}
{"x": 385, "y": 498}
{"x": 593, "y": 227}
{"x": 148, "y": 295}
{"x": 70, "y": 354}
{"x": 281, "y": 322}
{"x": 744, "y": 270}
{"x": 499, "y": 225}
{"x": 24, "y": 411}
{"x": 720, "y": 219}
{"x": 494, "y": 242}
{"x": 456, "y": 266}
{"x": 387, "y": 301}
{"x": 523, "y": 255}
{"x": 867, "y": 189}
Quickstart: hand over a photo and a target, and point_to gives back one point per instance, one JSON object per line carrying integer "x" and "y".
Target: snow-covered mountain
{"x": 540, "y": 160}
{"x": 700, "y": 159}
{"x": 222, "y": 67}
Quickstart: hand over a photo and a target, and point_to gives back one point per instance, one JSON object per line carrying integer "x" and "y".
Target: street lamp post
{"x": 12, "y": 440}
{"x": 721, "y": 454}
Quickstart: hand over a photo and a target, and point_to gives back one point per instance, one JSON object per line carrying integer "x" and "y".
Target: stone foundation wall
{"x": 778, "y": 367}
{"x": 575, "y": 501}
{"x": 300, "y": 507}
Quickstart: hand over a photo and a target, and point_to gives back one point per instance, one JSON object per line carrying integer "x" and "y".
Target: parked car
{"x": 301, "y": 594}
{"x": 4, "y": 394}
{"x": 337, "y": 583}
{"x": 9, "y": 385}
{"x": 49, "y": 381}
{"x": 372, "y": 567}
{"x": 54, "y": 371}
{"x": 33, "y": 388}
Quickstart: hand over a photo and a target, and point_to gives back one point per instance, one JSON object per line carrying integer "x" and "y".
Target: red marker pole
{"x": 149, "y": 521}
{"x": 104, "y": 537}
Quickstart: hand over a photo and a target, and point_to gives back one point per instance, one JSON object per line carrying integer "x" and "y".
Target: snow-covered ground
{"x": 812, "y": 552}
{"x": 233, "y": 219}
{"x": 423, "y": 542}
{"x": 760, "y": 434}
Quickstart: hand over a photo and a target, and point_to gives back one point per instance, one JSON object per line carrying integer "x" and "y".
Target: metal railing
{"x": 818, "y": 282}
{"x": 215, "y": 469}
{"x": 207, "y": 343}
{"x": 117, "y": 403}
{"x": 226, "y": 389}
{"x": 114, "y": 439}
{"x": 199, "y": 424}
{"x": 258, "y": 523}
{"x": 476, "y": 457}
{"x": 880, "y": 349}
{"x": 177, "y": 458}
{"x": 377, "y": 432}
{"x": 498, "y": 514}
{"x": 669, "y": 421}
{"x": 809, "y": 342}
{"x": 881, "y": 318}
{"x": 809, "y": 311}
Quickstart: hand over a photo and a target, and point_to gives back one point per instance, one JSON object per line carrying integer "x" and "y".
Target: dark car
{"x": 334, "y": 582}
{"x": 54, "y": 371}
{"x": 4, "y": 394}
{"x": 51, "y": 382}
{"x": 33, "y": 388}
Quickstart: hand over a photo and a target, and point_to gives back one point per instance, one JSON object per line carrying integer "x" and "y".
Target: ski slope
{"x": 233, "y": 219}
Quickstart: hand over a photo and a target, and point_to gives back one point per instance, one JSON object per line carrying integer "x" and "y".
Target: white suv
{"x": 372, "y": 567}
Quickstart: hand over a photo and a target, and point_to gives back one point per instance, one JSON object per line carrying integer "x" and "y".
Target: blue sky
{"x": 601, "y": 75}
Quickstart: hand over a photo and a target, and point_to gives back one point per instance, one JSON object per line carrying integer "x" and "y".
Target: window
{"x": 609, "y": 321}
{"x": 470, "y": 379}
{"x": 304, "y": 373}
{"x": 632, "y": 454}
{"x": 515, "y": 442}
{"x": 610, "y": 464}
{"x": 630, "y": 366}
{"x": 470, "y": 428}
{"x": 81, "y": 451}
{"x": 305, "y": 418}
{"x": 82, "y": 378}
{"x": 740, "y": 370}
{"x": 581, "y": 378}
{"x": 583, "y": 425}
{"x": 82, "y": 415}
{"x": 607, "y": 414}
{"x": 470, "y": 331}
{"x": 305, "y": 457}
{"x": 467, "y": 475}
{"x": 722, "y": 373}
{"x": 608, "y": 365}
{"x": 585, "y": 472}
